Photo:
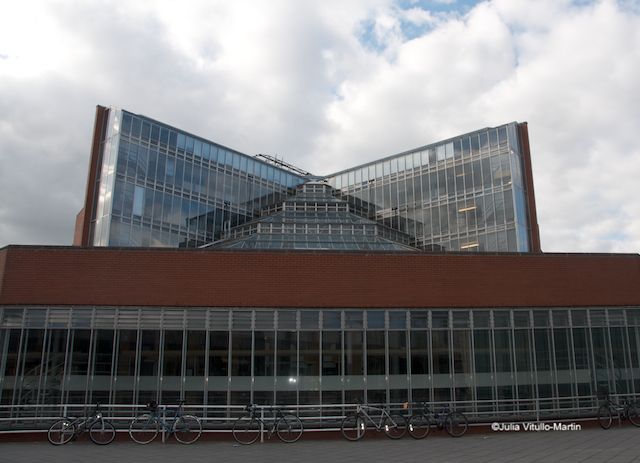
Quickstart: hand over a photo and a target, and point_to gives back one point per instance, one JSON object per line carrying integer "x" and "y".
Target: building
{"x": 314, "y": 291}
{"x": 499, "y": 334}
{"x": 154, "y": 185}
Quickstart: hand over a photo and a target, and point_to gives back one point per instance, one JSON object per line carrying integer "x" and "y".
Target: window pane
{"x": 149, "y": 350}
{"x": 104, "y": 353}
{"x": 440, "y": 349}
{"x": 196, "y": 344}
{"x": 375, "y": 353}
{"x": 353, "y": 355}
{"x": 127, "y": 352}
{"x": 241, "y": 353}
{"x": 331, "y": 353}
{"x": 482, "y": 348}
{"x": 218, "y": 353}
{"x": 80, "y": 352}
{"x": 264, "y": 353}
{"x": 287, "y": 353}
{"x": 309, "y": 353}
{"x": 419, "y": 353}
{"x": 397, "y": 353}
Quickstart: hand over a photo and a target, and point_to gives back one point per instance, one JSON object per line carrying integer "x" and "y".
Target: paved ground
{"x": 593, "y": 445}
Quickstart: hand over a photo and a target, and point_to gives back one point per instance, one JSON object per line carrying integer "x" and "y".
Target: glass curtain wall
{"x": 464, "y": 194}
{"x": 494, "y": 361}
{"x": 160, "y": 186}
{"x": 163, "y": 187}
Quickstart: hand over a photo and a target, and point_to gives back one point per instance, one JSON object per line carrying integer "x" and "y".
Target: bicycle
{"x": 186, "y": 428}
{"x": 354, "y": 424}
{"x": 101, "y": 431}
{"x": 627, "y": 409}
{"x": 454, "y": 422}
{"x": 249, "y": 426}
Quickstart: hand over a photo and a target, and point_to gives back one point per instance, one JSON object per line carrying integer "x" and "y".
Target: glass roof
{"x": 314, "y": 219}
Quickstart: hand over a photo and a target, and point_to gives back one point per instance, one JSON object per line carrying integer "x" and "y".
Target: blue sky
{"x": 328, "y": 85}
{"x": 410, "y": 30}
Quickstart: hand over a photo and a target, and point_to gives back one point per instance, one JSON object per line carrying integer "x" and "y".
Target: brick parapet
{"x": 188, "y": 278}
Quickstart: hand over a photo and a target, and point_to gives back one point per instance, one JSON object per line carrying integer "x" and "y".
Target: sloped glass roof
{"x": 314, "y": 219}
{"x": 318, "y": 242}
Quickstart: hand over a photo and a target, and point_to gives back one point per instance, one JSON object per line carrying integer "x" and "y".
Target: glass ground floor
{"x": 490, "y": 361}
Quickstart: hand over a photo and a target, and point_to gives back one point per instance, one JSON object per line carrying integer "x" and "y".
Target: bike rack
{"x": 218, "y": 418}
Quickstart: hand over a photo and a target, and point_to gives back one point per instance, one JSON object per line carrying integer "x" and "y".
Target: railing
{"x": 220, "y": 418}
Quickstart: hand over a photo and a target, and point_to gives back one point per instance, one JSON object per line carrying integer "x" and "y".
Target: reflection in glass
{"x": 353, "y": 353}
{"x": 196, "y": 358}
{"x": 331, "y": 353}
{"x": 241, "y": 353}
{"x": 375, "y": 353}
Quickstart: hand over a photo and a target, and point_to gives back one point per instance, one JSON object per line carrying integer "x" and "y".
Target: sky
{"x": 326, "y": 85}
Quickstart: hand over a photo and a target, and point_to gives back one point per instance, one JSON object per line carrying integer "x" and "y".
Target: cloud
{"x": 570, "y": 71}
{"x": 326, "y": 86}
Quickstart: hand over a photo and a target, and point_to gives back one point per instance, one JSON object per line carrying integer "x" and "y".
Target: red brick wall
{"x": 532, "y": 216}
{"x": 79, "y": 228}
{"x": 3, "y": 256}
{"x": 82, "y": 230}
{"x": 153, "y": 277}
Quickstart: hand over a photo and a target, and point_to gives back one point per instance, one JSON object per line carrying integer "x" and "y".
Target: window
{"x": 138, "y": 200}
{"x": 375, "y": 353}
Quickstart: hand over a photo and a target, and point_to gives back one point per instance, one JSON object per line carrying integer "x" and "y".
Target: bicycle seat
{"x": 153, "y": 405}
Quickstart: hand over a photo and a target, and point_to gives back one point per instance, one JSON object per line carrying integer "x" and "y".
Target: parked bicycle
{"x": 454, "y": 422}
{"x": 101, "y": 431}
{"x": 186, "y": 428}
{"x": 246, "y": 430}
{"x": 355, "y": 424}
{"x": 624, "y": 410}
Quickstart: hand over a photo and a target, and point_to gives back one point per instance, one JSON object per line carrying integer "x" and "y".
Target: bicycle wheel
{"x": 144, "y": 429}
{"x": 246, "y": 430}
{"x": 289, "y": 428}
{"x": 634, "y": 414}
{"x": 187, "y": 429}
{"x": 102, "y": 432}
{"x": 61, "y": 432}
{"x": 353, "y": 427}
{"x": 419, "y": 426}
{"x": 456, "y": 424}
{"x": 604, "y": 417}
{"x": 395, "y": 426}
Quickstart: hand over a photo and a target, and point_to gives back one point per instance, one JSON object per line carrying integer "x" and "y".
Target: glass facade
{"x": 463, "y": 194}
{"x": 314, "y": 219}
{"x": 490, "y": 361}
{"x": 159, "y": 186}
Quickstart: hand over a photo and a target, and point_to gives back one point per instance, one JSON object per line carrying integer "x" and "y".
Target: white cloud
{"x": 297, "y": 80}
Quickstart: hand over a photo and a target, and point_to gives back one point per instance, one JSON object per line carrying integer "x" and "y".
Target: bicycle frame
{"x": 621, "y": 409}
{"x": 438, "y": 417}
{"x": 167, "y": 424}
{"x": 146, "y": 427}
{"x": 83, "y": 423}
{"x": 361, "y": 410}
{"x": 276, "y": 415}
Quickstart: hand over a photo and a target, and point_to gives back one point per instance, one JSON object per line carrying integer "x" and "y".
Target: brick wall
{"x": 156, "y": 277}
{"x": 3, "y": 257}
{"x": 79, "y": 228}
